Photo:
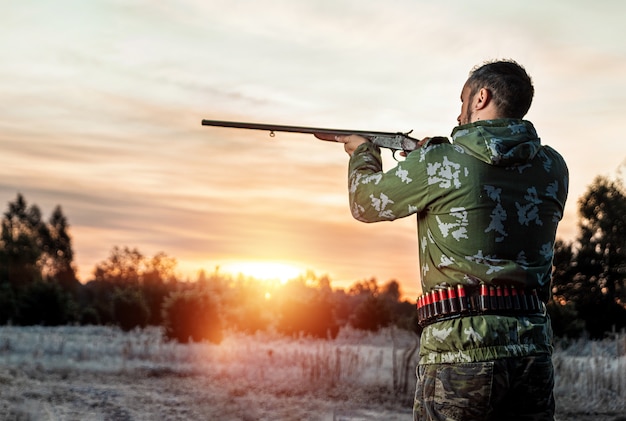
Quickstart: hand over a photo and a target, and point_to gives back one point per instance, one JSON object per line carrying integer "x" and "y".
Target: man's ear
{"x": 482, "y": 99}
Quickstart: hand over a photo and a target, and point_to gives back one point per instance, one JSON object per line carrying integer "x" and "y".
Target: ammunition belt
{"x": 449, "y": 303}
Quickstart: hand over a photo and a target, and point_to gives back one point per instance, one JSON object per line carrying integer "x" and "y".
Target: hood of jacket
{"x": 502, "y": 142}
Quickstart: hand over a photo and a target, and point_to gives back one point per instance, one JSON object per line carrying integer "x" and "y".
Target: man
{"x": 487, "y": 205}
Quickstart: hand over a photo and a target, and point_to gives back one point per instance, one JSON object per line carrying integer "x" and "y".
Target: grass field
{"x": 102, "y": 373}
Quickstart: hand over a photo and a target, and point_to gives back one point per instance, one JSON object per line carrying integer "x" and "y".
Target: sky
{"x": 102, "y": 103}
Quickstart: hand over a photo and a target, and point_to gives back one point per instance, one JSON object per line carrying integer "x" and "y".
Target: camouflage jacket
{"x": 487, "y": 208}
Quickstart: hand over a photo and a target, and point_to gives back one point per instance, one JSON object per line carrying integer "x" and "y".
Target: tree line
{"x": 38, "y": 284}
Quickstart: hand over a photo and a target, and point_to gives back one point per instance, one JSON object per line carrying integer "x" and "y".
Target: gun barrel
{"x": 294, "y": 129}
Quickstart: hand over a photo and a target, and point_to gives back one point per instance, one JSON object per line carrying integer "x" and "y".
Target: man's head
{"x": 497, "y": 89}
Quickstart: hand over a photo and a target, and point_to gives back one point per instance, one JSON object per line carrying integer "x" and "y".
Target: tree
{"x": 126, "y": 266}
{"x": 123, "y": 267}
{"x": 373, "y": 304}
{"x": 159, "y": 269}
{"x": 603, "y": 233}
{"x": 152, "y": 278}
{"x": 32, "y": 251}
{"x": 371, "y": 314}
{"x": 58, "y": 264}
{"x": 364, "y": 288}
{"x": 391, "y": 291}
{"x": 402, "y": 314}
{"x": 591, "y": 275}
{"x": 22, "y": 238}
{"x": 157, "y": 281}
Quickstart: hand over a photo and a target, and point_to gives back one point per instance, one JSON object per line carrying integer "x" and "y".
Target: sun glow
{"x": 264, "y": 271}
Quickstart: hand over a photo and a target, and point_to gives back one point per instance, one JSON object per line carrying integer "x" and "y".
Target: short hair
{"x": 510, "y": 86}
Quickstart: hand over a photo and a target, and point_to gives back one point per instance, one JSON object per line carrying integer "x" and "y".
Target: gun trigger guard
{"x": 396, "y": 151}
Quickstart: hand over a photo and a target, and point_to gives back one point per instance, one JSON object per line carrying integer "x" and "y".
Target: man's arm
{"x": 385, "y": 196}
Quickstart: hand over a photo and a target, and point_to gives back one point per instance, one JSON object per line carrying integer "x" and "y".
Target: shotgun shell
{"x": 493, "y": 298}
{"x": 436, "y": 303}
{"x": 508, "y": 302}
{"x": 420, "y": 307}
{"x": 515, "y": 298}
{"x": 500, "y": 295}
{"x": 444, "y": 300}
{"x": 463, "y": 305}
{"x": 428, "y": 307}
{"x": 454, "y": 300}
{"x": 483, "y": 298}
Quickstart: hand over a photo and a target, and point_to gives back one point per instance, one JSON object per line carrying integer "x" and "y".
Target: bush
{"x": 313, "y": 318}
{"x": 372, "y": 314}
{"x": 130, "y": 309}
{"x": 89, "y": 316}
{"x": 192, "y": 315}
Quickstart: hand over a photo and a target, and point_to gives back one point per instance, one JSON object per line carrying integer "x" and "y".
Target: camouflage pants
{"x": 512, "y": 389}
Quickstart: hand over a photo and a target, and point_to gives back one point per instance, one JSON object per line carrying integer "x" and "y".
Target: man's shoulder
{"x": 554, "y": 155}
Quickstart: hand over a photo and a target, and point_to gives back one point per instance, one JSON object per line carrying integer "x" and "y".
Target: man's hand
{"x": 350, "y": 143}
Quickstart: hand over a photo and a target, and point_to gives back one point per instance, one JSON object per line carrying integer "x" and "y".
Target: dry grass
{"x": 591, "y": 377}
{"x": 101, "y": 373}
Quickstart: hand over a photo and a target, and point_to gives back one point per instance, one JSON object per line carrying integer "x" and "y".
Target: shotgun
{"x": 394, "y": 141}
